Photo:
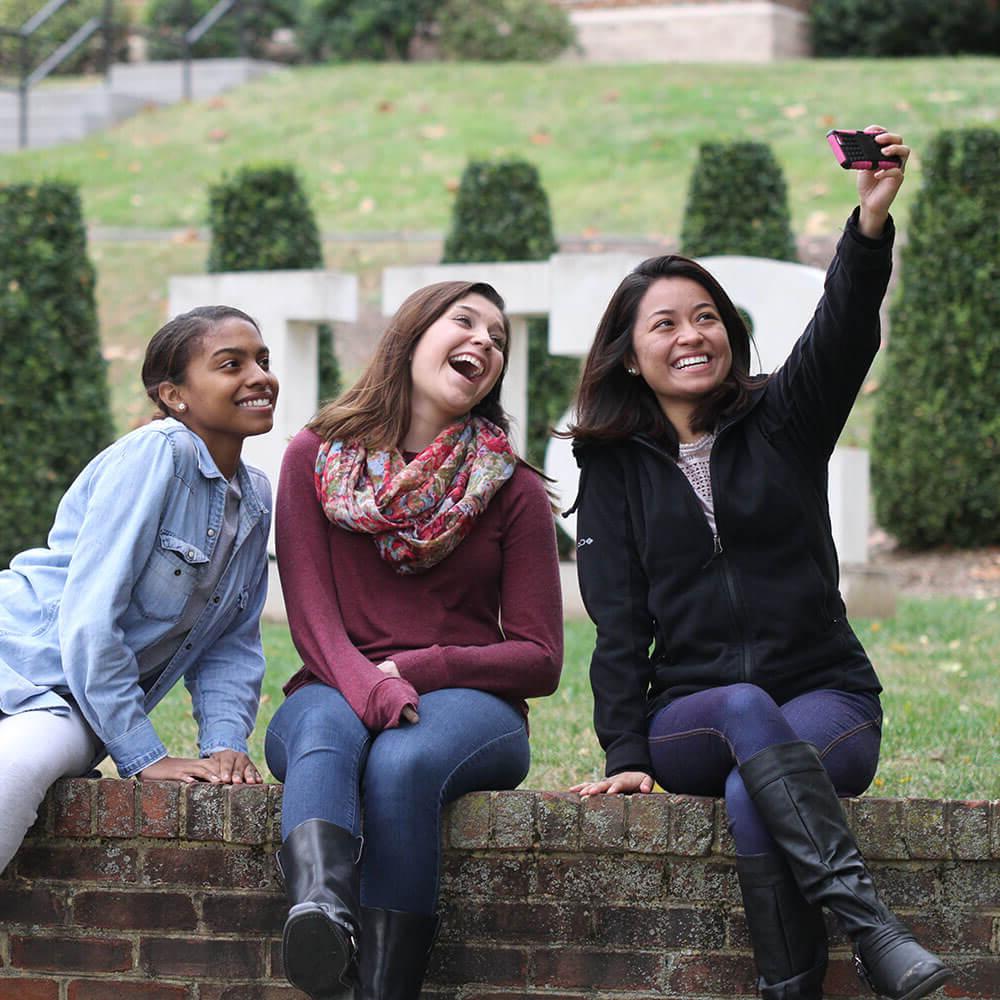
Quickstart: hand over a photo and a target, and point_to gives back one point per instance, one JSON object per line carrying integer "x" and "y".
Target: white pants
{"x": 36, "y": 748}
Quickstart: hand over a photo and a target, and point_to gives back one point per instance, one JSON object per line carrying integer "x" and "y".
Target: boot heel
{"x": 317, "y": 954}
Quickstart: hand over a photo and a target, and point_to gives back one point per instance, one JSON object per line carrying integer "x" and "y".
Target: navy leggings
{"x": 697, "y": 741}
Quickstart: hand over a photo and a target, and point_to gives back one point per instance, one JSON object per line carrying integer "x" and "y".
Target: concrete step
{"x": 67, "y": 114}
{"x": 162, "y": 82}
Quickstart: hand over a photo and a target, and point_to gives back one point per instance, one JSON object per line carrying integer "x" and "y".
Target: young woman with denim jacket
{"x": 155, "y": 569}
{"x": 406, "y": 529}
{"x": 724, "y": 663}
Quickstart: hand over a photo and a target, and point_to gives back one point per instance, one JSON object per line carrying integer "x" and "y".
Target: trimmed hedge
{"x": 503, "y": 30}
{"x": 502, "y": 214}
{"x": 167, "y": 20}
{"x": 904, "y": 27}
{"x": 261, "y": 220}
{"x": 339, "y": 30}
{"x": 737, "y": 204}
{"x": 54, "y": 399}
{"x": 936, "y": 434}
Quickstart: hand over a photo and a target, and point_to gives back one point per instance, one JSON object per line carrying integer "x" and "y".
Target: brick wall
{"x": 161, "y": 892}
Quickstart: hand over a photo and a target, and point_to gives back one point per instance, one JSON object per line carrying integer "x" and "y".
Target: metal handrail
{"x": 29, "y": 77}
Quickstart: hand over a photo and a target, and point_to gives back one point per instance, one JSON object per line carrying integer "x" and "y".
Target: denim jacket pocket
{"x": 168, "y": 578}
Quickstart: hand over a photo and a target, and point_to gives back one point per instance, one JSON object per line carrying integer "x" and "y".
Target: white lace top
{"x": 693, "y": 461}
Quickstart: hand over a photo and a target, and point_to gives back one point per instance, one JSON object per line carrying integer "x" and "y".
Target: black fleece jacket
{"x": 679, "y": 610}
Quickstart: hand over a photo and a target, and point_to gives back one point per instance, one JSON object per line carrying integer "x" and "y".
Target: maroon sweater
{"x": 349, "y": 611}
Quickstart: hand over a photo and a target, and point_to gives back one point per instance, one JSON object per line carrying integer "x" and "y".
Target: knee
{"x": 746, "y": 701}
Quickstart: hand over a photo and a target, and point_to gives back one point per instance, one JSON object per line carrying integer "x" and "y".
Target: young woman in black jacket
{"x": 724, "y": 662}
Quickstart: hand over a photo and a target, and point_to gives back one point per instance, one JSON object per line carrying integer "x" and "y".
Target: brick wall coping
{"x": 887, "y": 828}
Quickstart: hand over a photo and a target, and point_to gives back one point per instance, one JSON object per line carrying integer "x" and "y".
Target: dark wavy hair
{"x": 612, "y": 405}
{"x": 376, "y": 409}
{"x": 169, "y": 352}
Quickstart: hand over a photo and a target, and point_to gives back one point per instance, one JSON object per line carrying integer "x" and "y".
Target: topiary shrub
{"x": 904, "y": 27}
{"x": 503, "y": 30}
{"x": 54, "y": 398}
{"x": 89, "y": 58}
{"x": 502, "y": 213}
{"x": 737, "y": 204}
{"x": 167, "y": 20}
{"x": 936, "y": 433}
{"x": 340, "y": 30}
{"x": 261, "y": 220}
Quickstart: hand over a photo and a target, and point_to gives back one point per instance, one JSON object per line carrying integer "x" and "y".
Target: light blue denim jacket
{"x": 129, "y": 539}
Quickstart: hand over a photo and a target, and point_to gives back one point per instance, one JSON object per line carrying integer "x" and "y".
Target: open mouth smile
{"x": 468, "y": 366}
{"x": 691, "y": 361}
{"x": 257, "y": 403}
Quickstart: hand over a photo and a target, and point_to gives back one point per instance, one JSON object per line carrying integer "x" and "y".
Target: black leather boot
{"x": 319, "y": 863}
{"x": 788, "y": 934}
{"x": 798, "y": 803}
{"x": 395, "y": 948}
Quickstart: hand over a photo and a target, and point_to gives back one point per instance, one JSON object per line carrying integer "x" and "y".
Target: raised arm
{"x": 814, "y": 390}
{"x": 528, "y": 661}
{"x": 310, "y": 593}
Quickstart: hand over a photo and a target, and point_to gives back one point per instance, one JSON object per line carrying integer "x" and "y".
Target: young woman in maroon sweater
{"x": 419, "y": 568}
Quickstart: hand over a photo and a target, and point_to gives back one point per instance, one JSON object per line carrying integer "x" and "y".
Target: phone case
{"x": 859, "y": 150}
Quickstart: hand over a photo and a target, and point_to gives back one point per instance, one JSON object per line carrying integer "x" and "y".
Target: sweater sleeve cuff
{"x": 426, "y": 669}
{"x": 386, "y": 702}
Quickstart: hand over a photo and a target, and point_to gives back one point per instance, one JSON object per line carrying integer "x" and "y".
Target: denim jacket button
{"x": 211, "y": 532}
{"x": 190, "y": 553}
{"x": 177, "y": 572}
{"x": 216, "y": 599}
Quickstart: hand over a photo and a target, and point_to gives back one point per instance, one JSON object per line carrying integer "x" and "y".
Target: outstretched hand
{"x": 878, "y": 188}
{"x": 626, "y": 783}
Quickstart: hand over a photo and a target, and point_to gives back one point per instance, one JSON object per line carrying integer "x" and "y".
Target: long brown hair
{"x": 612, "y": 405}
{"x": 376, "y": 409}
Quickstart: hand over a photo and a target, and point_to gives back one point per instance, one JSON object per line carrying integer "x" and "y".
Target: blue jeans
{"x": 391, "y": 787}
{"x": 697, "y": 742}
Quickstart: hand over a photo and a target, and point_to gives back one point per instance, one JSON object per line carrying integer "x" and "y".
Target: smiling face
{"x": 228, "y": 392}
{"x": 680, "y": 347}
{"x": 455, "y": 363}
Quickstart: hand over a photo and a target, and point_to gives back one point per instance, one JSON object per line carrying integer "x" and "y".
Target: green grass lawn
{"x": 938, "y": 661}
{"x": 381, "y": 146}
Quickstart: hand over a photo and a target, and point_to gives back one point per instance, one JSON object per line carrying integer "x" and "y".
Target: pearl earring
{"x": 181, "y": 407}
{"x": 632, "y": 371}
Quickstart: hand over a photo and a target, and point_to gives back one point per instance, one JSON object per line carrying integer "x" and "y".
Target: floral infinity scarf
{"x": 416, "y": 512}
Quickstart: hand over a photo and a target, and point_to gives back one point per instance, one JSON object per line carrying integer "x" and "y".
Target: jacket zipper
{"x": 718, "y": 550}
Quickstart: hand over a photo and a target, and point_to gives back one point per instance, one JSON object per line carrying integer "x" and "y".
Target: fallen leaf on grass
{"x": 612, "y": 96}
{"x": 793, "y": 111}
{"x": 189, "y": 235}
{"x": 385, "y": 107}
{"x": 367, "y": 206}
{"x": 872, "y": 385}
{"x": 451, "y": 184}
{"x": 434, "y": 131}
{"x": 540, "y": 138}
{"x": 218, "y": 135}
{"x": 218, "y": 102}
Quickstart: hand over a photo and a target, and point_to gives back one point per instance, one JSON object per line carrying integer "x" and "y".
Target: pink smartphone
{"x": 859, "y": 150}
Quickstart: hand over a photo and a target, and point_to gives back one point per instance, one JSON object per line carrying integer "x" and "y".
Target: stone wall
{"x": 127, "y": 890}
{"x": 754, "y": 31}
